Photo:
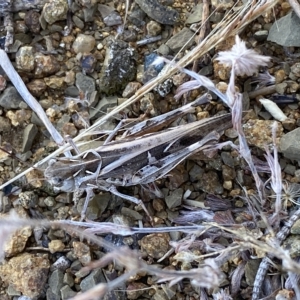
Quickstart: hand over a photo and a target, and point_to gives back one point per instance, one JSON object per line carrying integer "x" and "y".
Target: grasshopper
{"x": 136, "y": 159}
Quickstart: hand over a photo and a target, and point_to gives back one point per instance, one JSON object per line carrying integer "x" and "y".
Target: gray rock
{"x": 88, "y": 13}
{"x": 61, "y": 263}
{"x": 103, "y": 105}
{"x": 292, "y": 244}
{"x": 227, "y": 159}
{"x": 196, "y": 15}
{"x": 209, "y": 183}
{"x": 251, "y": 270}
{"x": 85, "y": 84}
{"x": 66, "y": 292}
{"x": 10, "y": 99}
{"x": 285, "y": 31}
{"x": 90, "y": 281}
{"x": 109, "y": 15}
{"x": 159, "y": 12}
{"x": 119, "y": 67}
{"x": 180, "y": 39}
{"x": 29, "y": 135}
{"x": 290, "y": 145}
{"x": 68, "y": 279}
{"x": 12, "y": 292}
{"x": 261, "y": 35}
{"x": 56, "y": 281}
{"x": 78, "y": 22}
{"x": 175, "y": 198}
{"x": 196, "y": 173}
{"x": 51, "y": 296}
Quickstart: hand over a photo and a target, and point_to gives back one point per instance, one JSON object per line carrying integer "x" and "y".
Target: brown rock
{"x": 156, "y": 245}
{"x": 56, "y": 246}
{"x": 46, "y": 65}
{"x": 26, "y": 273}
{"x": 37, "y": 87}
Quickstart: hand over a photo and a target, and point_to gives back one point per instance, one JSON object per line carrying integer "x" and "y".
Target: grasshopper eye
{"x": 57, "y": 181}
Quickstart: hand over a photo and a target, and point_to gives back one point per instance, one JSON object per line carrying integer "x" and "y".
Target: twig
{"x": 263, "y": 91}
{"x": 264, "y": 265}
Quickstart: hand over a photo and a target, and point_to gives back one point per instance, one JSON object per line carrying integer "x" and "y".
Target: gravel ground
{"x": 81, "y": 63}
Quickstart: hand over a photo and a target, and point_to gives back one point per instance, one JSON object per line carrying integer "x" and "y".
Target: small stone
{"x": 66, "y": 292}
{"x": 261, "y": 35}
{"x": 55, "y": 10}
{"x": 119, "y": 67}
{"x": 209, "y": 183}
{"x": 153, "y": 28}
{"x": 259, "y": 133}
{"x": 290, "y": 145}
{"x": 37, "y": 87}
{"x": 175, "y": 198}
{"x": 78, "y": 22}
{"x": 10, "y": 98}
{"x": 25, "y": 59}
{"x": 296, "y": 228}
{"x": 84, "y": 43}
{"x": 3, "y": 83}
{"x": 92, "y": 280}
{"x": 130, "y": 89}
{"x": 61, "y": 263}
{"x": 158, "y": 204}
{"x": 285, "y": 31}
{"x": 45, "y": 65}
{"x": 183, "y": 38}
{"x": 29, "y": 135}
{"x": 32, "y": 21}
{"x": 56, "y": 281}
{"x": 156, "y": 245}
{"x": 85, "y": 84}
{"x": 109, "y": 15}
{"x": 68, "y": 279}
{"x": 56, "y": 246}
{"x": 222, "y": 5}
{"x": 292, "y": 244}
{"x": 281, "y": 88}
{"x": 289, "y": 124}
{"x": 69, "y": 129}
{"x": 280, "y": 76}
{"x": 159, "y": 12}
{"x": 196, "y": 14}
{"x": 55, "y": 83}
{"x": 27, "y": 273}
{"x": 295, "y": 69}
{"x": 228, "y": 173}
{"x": 251, "y": 270}
{"x": 88, "y": 63}
{"x": 131, "y": 213}
{"x": 82, "y": 252}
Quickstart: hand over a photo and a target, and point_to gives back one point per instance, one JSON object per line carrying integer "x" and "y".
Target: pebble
{"x": 110, "y": 16}
{"x": 136, "y": 289}
{"x": 67, "y": 292}
{"x": 158, "y": 12}
{"x": 251, "y": 270}
{"x": 37, "y": 87}
{"x": 82, "y": 252}
{"x": 209, "y": 183}
{"x": 25, "y": 59}
{"x": 153, "y": 28}
{"x": 196, "y": 14}
{"x": 56, "y": 246}
{"x": 45, "y": 65}
{"x": 55, "y": 10}
{"x": 56, "y": 282}
{"x": 174, "y": 199}
{"x": 88, "y": 63}
{"x": 27, "y": 272}
{"x": 292, "y": 244}
{"x": 10, "y": 98}
{"x": 184, "y": 38}
{"x": 85, "y": 84}
{"x": 290, "y": 145}
{"x": 55, "y": 83}
{"x": 285, "y": 31}
{"x": 84, "y": 43}
{"x": 119, "y": 67}
{"x": 92, "y": 280}
{"x": 29, "y": 135}
{"x": 156, "y": 245}
{"x": 130, "y": 89}
{"x": 259, "y": 132}
{"x": 32, "y": 21}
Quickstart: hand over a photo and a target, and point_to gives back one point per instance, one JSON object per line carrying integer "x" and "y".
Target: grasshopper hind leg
{"x": 114, "y": 190}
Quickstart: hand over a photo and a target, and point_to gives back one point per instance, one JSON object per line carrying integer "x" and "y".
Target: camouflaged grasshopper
{"x": 136, "y": 160}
